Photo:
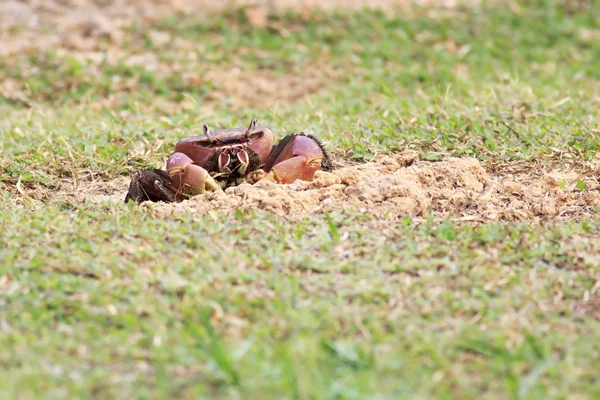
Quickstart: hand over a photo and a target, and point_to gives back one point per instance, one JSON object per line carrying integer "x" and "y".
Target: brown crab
{"x": 216, "y": 160}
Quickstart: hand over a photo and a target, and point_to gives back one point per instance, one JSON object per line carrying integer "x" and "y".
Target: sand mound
{"x": 400, "y": 185}
{"x": 388, "y": 188}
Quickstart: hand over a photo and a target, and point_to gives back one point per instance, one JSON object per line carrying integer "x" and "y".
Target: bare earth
{"x": 387, "y": 189}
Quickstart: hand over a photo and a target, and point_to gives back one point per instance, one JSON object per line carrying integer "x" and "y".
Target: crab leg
{"x": 296, "y": 157}
{"x": 188, "y": 177}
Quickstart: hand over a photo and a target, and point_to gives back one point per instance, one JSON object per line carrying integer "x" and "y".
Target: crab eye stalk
{"x": 251, "y": 127}
{"x": 208, "y": 133}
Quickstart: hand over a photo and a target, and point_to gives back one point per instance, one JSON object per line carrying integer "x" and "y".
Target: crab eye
{"x": 255, "y": 136}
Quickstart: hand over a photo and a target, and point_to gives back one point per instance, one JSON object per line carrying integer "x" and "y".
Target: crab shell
{"x": 216, "y": 151}
{"x": 228, "y": 157}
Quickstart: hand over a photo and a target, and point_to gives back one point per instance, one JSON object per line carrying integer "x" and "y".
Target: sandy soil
{"x": 400, "y": 185}
{"x": 389, "y": 188}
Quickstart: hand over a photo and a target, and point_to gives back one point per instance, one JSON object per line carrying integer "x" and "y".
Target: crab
{"x": 216, "y": 160}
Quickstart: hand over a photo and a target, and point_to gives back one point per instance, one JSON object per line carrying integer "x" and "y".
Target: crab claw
{"x": 151, "y": 185}
{"x": 297, "y": 156}
{"x": 189, "y": 178}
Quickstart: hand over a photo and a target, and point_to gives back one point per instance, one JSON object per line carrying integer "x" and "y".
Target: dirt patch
{"x": 589, "y": 307}
{"x": 400, "y": 185}
{"x": 260, "y": 89}
{"x": 76, "y": 191}
{"x": 389, "y": 188}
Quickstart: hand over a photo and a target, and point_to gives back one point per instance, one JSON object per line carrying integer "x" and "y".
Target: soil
{"x": 262, "y": 89}
{"x": 400, "y": 185}
{"x": 389, "y": 188}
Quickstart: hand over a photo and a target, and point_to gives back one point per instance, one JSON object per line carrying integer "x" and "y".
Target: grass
{"x": 109, "y": 300}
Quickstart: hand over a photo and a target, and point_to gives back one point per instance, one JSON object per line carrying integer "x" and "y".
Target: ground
{"x": 451, "y": 253}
